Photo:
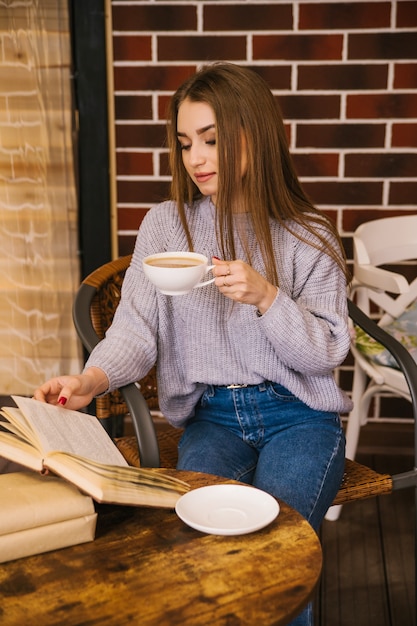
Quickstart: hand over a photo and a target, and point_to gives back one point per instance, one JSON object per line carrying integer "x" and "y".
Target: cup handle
{"x": 206, "y": 282}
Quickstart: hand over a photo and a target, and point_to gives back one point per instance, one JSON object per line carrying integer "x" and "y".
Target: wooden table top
{"x": 147, "y": 568}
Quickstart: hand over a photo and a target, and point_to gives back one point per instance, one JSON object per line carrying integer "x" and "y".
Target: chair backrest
{"x": 384, "y": 242}
{"x": 94, "y": 307}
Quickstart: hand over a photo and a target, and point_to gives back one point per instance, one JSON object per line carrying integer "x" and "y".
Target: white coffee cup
{"x": 177, "y": 273}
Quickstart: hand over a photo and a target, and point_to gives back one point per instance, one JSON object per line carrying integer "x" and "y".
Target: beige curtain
{"x": 38, "y": 202}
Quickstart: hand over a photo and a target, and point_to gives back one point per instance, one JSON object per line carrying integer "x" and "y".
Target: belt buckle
{"x": 236, "y": 386}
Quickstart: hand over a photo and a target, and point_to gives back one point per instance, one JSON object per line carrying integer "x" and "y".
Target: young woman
{"x": 244, "y": 364}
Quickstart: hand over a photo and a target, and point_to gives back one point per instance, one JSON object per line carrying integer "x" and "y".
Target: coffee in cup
{"x": 177, "y": 273}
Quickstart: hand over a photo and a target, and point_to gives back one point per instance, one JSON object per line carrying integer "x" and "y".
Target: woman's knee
{"x": 209, "y": 448}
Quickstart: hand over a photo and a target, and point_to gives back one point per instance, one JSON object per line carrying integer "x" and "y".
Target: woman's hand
{"x": 75, "y": 392}
{"x": 240, "y": 282}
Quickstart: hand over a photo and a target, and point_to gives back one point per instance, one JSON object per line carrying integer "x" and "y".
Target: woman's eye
{"x": 184, "y": 146}
{"x": 211, "y": 142}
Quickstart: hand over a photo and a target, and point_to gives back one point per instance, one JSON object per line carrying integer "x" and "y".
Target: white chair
{"x": 387, "y": 295}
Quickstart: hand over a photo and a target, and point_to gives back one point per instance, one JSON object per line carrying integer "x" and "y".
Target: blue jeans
{"x": 263, "y": 435}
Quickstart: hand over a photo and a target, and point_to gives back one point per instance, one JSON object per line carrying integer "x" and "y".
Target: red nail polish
{"x": 217, "y": 258}
{"x": 62, "y": 400}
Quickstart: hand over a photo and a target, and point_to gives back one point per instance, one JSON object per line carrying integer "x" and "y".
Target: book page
{"x": 119, "y": 485}
{"x": 17, "y": 423}
{"x": 143, "y": 476}
{"x": 63, "y": 430}
{"x": 19, "y": 451}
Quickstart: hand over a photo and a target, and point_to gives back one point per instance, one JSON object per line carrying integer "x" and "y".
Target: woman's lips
{"x": 203, "y": 178}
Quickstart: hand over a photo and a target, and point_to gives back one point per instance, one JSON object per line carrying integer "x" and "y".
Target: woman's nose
{"x": 196, "y": 156}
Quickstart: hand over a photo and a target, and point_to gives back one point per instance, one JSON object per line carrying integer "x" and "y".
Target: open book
{"x": 75, "y": 446}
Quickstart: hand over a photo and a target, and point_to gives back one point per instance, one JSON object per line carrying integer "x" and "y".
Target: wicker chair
{"x": 155, "y": 441}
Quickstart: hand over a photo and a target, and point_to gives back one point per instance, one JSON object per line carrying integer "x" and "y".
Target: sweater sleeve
{"x": 307, "y": 322}
{"x": 129, "y": 349}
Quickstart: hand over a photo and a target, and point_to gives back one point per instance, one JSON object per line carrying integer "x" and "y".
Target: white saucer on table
{"x": 227, "y": 509}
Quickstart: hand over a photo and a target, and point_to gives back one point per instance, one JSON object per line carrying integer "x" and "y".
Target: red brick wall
{"x": 345, "y": 75}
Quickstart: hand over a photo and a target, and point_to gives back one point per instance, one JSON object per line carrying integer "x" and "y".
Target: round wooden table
{"x": 147, "y": 568}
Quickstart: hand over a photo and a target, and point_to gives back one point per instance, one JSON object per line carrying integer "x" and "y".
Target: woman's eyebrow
{"x": 200, "y": 131}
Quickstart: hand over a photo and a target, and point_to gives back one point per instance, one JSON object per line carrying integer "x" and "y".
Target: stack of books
{"x": 42, "y": 513}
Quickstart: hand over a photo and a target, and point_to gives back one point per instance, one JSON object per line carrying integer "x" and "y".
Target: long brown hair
{"x": 242, "y": 101}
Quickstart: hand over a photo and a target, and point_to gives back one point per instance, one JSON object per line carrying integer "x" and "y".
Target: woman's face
{"x": 196, "y": 133}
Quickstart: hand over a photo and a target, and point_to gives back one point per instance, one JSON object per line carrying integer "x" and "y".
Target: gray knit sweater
{"x": 204, "y": 338}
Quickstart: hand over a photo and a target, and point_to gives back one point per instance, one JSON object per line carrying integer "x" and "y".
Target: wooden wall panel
{"x": 38, "y": 200}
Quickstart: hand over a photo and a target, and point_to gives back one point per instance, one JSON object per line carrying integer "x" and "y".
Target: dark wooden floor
{"x": 368, "y": 554}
